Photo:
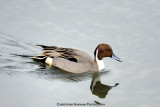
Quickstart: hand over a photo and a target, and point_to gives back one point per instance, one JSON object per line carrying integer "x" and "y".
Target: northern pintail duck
{"x": 73, "y": 60}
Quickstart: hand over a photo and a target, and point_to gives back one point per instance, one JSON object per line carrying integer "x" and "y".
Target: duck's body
{"x": 73, "y": 60}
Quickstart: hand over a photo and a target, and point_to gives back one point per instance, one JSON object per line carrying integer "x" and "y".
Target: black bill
{"x": 116, "y": 58}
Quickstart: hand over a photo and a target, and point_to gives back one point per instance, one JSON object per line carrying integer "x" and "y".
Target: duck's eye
{"x": 107, "y": 49}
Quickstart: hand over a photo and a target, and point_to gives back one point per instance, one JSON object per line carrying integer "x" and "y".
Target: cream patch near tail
{"x": 49, "y": 60}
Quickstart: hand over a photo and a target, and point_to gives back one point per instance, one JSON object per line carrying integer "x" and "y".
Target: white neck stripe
{"x": 99, "y": 62}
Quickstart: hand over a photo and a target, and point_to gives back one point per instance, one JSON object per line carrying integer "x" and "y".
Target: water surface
{"x": 130, "y": 27}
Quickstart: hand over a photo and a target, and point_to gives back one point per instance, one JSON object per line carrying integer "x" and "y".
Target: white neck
{"x": 99, "y": 62}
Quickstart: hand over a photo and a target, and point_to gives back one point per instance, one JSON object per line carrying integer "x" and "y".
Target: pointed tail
{"x": 35, "y": 58}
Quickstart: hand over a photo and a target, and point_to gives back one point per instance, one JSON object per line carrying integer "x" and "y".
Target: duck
{"x": 74, "y": 60}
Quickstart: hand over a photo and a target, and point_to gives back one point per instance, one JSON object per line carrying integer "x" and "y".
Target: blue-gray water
{"x": 130, "y": 27}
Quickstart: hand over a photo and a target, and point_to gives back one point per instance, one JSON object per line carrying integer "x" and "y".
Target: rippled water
{"x": 130, "y": 27}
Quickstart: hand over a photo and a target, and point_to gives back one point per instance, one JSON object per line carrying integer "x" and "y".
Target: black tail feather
{"x": 39, "y": 58}
{"x": 35, "y": 58}
{"x": 22, "y": 55}
{"x": 47, "y": 47}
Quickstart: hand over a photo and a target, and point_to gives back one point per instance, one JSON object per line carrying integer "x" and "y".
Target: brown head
{"x": 105, "y": 50}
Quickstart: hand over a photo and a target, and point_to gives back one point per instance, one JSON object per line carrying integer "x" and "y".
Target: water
{"x": 130, "y": 27}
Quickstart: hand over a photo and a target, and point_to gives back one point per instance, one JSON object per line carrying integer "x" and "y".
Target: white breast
{"x": 99, "y": 62}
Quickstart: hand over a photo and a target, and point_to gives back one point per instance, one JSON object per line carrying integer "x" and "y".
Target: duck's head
{"x": 105, "y": 50}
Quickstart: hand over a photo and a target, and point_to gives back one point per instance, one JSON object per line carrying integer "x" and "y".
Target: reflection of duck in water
{"x": 99, "y": 89}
